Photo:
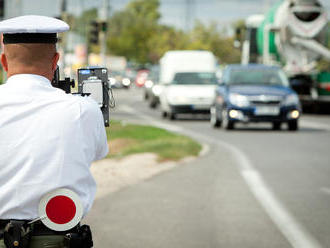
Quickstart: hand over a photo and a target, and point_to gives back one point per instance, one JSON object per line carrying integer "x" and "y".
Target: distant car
{"x": 189, "y": 92}
{"x": 189, "y": 80}
{"x": 255, "y": 93}
{"x": 141, "y": 77}
{"x": 129, "y": 77}
{"x": 152, "y": 88}
{"x": 118, "y": 79}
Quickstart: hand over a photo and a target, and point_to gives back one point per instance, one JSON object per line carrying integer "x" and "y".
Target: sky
{"x": 173, "y": 12}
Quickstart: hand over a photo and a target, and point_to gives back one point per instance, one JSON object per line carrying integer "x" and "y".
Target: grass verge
{"x": 126, "y": 139}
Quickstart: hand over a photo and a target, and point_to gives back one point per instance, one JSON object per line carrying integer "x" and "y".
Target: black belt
{"x": 38, "y": 228}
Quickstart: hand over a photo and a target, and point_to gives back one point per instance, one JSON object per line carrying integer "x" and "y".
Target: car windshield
{"x": 258, "y": 77}
{"x": 195, "y": 78}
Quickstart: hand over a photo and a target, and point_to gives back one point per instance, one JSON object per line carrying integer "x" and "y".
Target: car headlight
{"x": 157, "y": 90}
{"x": 148, "y": 84}
{"x": 239, "y": 100}
{"x": 126, "y": 81}
{"x": 291, "y": 99}
{"x": 112, "y": 81}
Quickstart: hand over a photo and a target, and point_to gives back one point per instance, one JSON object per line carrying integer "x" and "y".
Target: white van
{"x": 189, "y": 81}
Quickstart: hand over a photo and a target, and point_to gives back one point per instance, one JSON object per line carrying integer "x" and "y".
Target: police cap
{"x": 32, "y": 29}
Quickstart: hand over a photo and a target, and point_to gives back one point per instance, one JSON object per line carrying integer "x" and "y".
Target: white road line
{"x": 325, "y": 190}
{"x": 151, "y": 120}
{"x": 295, "y": 233}
{"x": 316, "y": 125}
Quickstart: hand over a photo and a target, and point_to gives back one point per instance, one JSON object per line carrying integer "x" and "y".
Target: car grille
{"x": 265, "y": 100}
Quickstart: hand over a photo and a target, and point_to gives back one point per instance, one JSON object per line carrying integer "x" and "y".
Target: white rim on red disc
{"x": 60, "y": 210}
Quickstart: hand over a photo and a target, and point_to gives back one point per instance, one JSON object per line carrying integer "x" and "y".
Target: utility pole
{"x": 190, "y": 13}
{"x": 64, "y": 17}
{"x": 103, "y": 16}
{"x": 84, "y": 26}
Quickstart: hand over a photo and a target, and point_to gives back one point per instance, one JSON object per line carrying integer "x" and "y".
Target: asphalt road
{"x": 254, "y": 188}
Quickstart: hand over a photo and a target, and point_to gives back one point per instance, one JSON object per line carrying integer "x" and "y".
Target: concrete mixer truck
{"x": 294, "y": 35}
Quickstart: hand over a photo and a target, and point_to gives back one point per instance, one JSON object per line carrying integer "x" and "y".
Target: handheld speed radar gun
{"x": 92, "y": 82}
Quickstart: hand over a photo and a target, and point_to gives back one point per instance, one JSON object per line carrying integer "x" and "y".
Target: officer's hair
{"x": 30, "y": 54}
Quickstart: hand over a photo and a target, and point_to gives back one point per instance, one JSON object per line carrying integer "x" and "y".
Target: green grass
{"x": 126, "y": 139}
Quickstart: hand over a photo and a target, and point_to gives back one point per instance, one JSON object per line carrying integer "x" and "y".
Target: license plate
{"x": 267, "y": 110}
{"x": 200, "y": 107}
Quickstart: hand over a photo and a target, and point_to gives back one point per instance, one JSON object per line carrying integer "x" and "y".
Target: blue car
{"x": 255, "y": 93}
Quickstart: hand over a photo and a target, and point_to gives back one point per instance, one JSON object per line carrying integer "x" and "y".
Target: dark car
{"x": 152, "y": 88}
{"x": 255, "y": 93}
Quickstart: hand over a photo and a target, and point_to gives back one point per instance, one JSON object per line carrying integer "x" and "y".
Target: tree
{"x": 136, "y": 33}
{"x": 131, "y": 29}
{"x": 166, "y": 38}
{"x": 210, "y": 38}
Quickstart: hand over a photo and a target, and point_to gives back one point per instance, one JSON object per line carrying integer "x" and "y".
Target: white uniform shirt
{"x": 48, "y": 140}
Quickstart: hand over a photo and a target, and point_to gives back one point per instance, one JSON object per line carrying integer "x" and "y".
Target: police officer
{"x": 48, "y": 139}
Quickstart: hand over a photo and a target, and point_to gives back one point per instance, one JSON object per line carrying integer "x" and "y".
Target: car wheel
{"x": 215, "y": 122}
{"x": 152, "y": 104}
{"x": 276, "y": 125}
{"x": 229, "y": 125}
{"x": 293, "y": 125}
{"x": 164, "y": 114}
{"x": 172, "y": 116}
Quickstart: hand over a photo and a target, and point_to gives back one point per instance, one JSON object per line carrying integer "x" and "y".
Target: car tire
{"x": 172, "y": 116}
{"x": 230, "y": 125}
{"x": 293, "y": 125}
{"x": 215, "y": 122}
{"x": 227, "y": 124}
{"x": 164, "y": 114}
{"x": 276, "y": 125}
{"x": 152, "y": 104}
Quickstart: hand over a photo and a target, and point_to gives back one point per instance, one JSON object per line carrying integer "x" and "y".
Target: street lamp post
{"x": 64, "y": 17}
{"x": 103, "y": 16}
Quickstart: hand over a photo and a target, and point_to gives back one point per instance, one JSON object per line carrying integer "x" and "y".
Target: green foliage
{"x": 166, "y": 38}
{"x": 1, "y": 75}
{"x": 131, "y": 29}
{"x": 82, "y": 26}
{"x": 141, "y": 139}
{"x": 210, "y": 38}
{"x": 136, "y": 33}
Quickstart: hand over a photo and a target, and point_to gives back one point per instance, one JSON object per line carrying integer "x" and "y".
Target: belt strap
{"x": 38, "y": 228}
{"x": 16, "y": 235}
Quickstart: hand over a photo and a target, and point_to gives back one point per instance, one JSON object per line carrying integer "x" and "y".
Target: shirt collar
{"x": 24, "y": 79}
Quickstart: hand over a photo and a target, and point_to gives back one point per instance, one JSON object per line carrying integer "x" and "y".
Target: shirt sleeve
{"x": 93, "y": 129}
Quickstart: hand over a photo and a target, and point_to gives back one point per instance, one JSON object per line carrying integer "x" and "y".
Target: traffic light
{"x": 104, "y": 26}
{"x": 94, "y": 32}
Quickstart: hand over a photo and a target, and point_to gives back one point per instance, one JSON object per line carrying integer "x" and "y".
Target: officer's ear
{"x": 54, "y": 61}
{"x": 4, "y": 62}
